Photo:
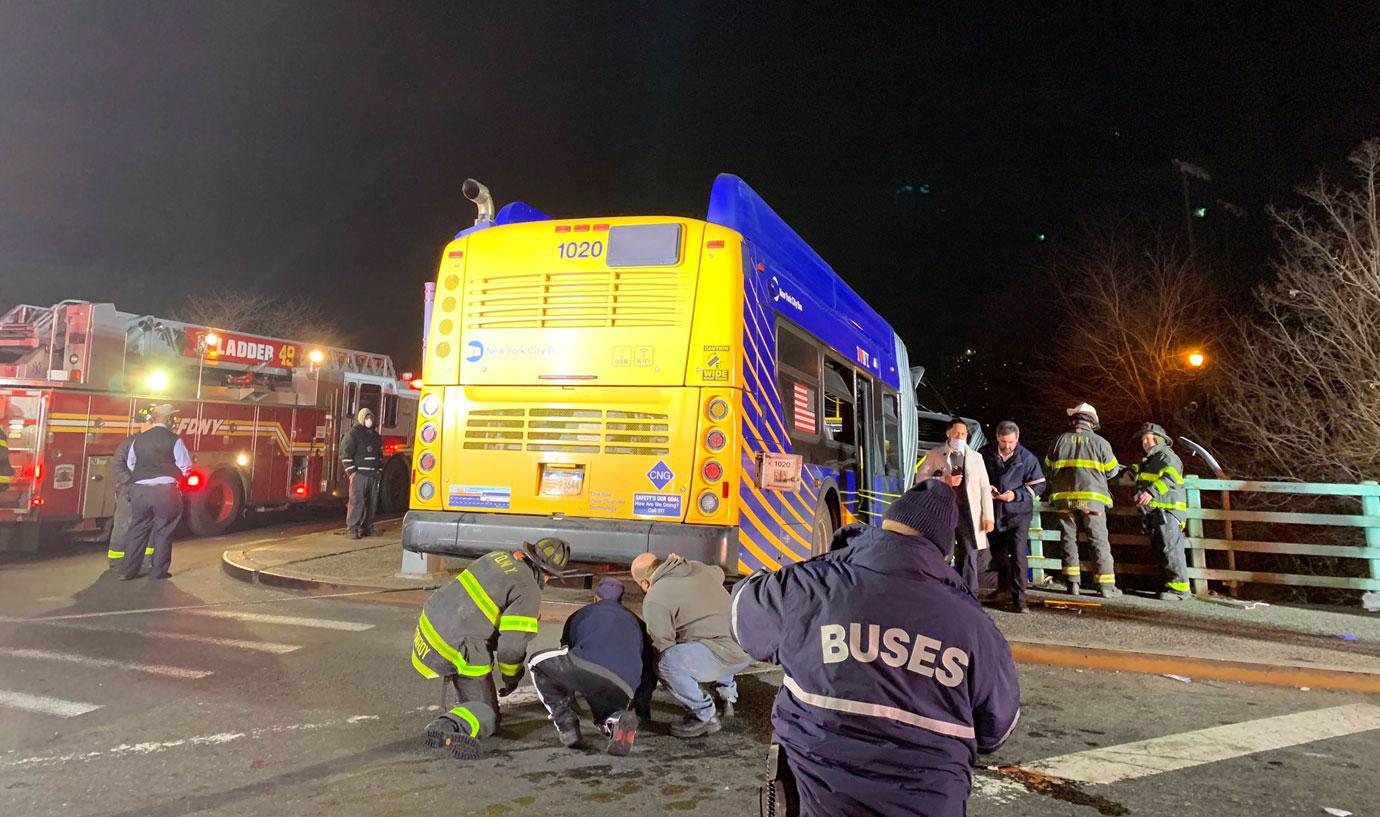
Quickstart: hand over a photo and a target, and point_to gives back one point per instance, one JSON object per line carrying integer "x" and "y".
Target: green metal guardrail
{"x": 1198, "y": 544}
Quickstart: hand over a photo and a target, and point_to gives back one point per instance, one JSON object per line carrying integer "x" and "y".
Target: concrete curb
{"x": 1247, "y": 672}
{"x": 237, "y": 566}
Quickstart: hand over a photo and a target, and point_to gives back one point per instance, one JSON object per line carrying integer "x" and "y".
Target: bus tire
{"x": 215, "y": 509}
{"x": 394, "y": 486}
{"x": 822, "y": 532}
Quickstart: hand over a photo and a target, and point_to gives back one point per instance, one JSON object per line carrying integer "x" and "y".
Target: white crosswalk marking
{"x": 292, "y": 621}
{"x": 106, "y": 663}
{"x": 46, "y": 706}
{"x": 232, "y": 643}
{"x": 1148, "y": 757}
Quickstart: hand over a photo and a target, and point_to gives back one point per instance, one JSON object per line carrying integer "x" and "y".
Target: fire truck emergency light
{"x": 156, "y": 380}
{"x": 193, "y": 481}
{"x": 316, "y": 356}
{"x": 300, "y": 490}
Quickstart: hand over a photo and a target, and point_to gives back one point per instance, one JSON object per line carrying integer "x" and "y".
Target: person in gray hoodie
{"x": 687, "y": 613}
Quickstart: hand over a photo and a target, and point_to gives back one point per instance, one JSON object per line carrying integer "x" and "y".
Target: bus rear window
{"x": 644, "y": 245}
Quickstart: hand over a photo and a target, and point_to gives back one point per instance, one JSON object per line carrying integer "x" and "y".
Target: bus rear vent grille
{"x": 585, "y": 299}
{"x": 569, "y": 431}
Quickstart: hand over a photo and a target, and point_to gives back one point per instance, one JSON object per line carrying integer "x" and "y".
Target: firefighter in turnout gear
{"x": 1078, "y": 467}
{"x": 1162, "y": 500}
{"x": 486, "y": 616}
{"x": 124, "y": 499}
{"x": 361, "y": 452}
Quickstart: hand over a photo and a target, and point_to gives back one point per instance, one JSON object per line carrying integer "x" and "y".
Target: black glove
{"x": 510, "y": 683}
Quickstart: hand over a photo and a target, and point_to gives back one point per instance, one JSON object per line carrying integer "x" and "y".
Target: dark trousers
{"x": 154, "y": 513}
{"x": 973, "y": 565}
{"x": 481, "y": 690}
{"x": 1011, "y": 556}
{"x": 1167, "y": 539}
{"x": 364, "y": 496}
{"x": 560, "y": 676}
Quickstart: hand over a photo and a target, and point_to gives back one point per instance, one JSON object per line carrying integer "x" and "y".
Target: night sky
{"x": 148, "y": 150}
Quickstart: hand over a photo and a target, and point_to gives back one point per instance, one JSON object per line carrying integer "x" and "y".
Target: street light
{"x": 1196, "y": 359}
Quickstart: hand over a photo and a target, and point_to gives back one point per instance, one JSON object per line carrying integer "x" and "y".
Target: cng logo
{"x": 474, "y": 350}
{"x": 661, "y": 475}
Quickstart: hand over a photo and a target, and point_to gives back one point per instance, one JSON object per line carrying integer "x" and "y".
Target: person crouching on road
{"x": 686, "y": 610}
{"x": 884, "y": 706}
{"x": 605, "y": 656}
{"x": 489, "y": 611}
{"x": 361, "y": 452}
{"x": 1162, "y": 501}
{"x": 157, "y": 461}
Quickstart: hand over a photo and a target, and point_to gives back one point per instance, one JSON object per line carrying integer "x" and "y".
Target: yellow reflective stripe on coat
{"x": 418, "y": 665}
{"x": 1093, "y": 464}
{"x": 434, "y": 641}
{"x": 509, "y": 669}
{"x": 478, "y": 596}
{"x": 520, "y": 624}
{"x": 1171, "y": 506}
{"x": 1082, "y": 495}
{"x": 468, "y": 717}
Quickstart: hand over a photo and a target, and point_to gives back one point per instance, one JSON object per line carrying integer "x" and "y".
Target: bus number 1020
{"x": 580, "y": 249}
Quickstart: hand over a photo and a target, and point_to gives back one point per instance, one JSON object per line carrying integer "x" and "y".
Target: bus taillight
{"x": 712, "y": 471}
{"x": 717, "y": 409}
{"x": 715, "y": 440}
{"x": 709, "y": 503}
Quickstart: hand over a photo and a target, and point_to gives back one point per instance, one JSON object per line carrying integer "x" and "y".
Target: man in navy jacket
{"x": 895, "y": 678}
{"x": 1017, "y": 480}
{"x": 606, "y": 656}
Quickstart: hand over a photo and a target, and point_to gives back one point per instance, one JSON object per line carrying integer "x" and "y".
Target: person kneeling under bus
{"x": 489, "y": 611}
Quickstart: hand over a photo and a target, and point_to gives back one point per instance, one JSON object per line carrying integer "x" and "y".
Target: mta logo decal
{"x": 474, "y": 350}
{"x": 661, "y": 475}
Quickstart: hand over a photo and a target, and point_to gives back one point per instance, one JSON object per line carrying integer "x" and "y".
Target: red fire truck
{"x": 261, "y": 416}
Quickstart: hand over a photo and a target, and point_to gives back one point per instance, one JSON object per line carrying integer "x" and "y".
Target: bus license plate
{"x": 562, "y": 481}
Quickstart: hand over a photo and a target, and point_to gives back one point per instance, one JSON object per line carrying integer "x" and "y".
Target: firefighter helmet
{"x": 550, "y": 554}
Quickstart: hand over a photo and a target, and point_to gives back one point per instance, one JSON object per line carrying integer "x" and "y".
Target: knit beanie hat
{"x": 930, "y": 508}
{"x": 609, "y": 588}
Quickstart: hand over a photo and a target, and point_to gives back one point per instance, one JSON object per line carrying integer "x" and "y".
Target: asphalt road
{"x": 204, "y": 695}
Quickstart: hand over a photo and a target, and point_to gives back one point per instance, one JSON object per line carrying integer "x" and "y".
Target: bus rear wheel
{"x": 216, "y": 508}
{"x": 823, "y": 531}
{"x": 394, "y": 486}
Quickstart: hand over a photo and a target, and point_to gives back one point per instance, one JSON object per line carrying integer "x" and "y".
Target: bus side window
{"x": 798, "y": 380}
{"x": 891, "y": 434}
{"x": 839, "y": 421}
{"x": 390, "y": 411}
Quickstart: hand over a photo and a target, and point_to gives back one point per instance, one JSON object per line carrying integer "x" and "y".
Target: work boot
{"x": 1018, "y": 605}
{"x": 1108, "y": 591}
{"x": 354, "y": 534}
{"x": 569, "y": 734}
{"x": 622, "y": 733}
{"x": 727, "y": 714}
{"x": 446, "y": 732}
{"x": 1072, "y": 588}
{"x": 1173, "y": 595}
{"x": 692, "y": 727}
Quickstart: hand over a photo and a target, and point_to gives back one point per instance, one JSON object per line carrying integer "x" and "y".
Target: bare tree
{"x": 240, "y": 311}
{"x": 1128, "y": 306}
{"x": 1300, "y": 397}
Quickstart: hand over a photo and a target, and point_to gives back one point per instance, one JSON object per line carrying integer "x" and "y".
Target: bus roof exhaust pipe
{"x": 483, "y": 200}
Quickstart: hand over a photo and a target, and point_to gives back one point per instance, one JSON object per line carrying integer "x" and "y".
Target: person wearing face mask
{"x": 361, "y": 452}
{"x": 1162, "y": 501}
{"x": 961, "y": 468}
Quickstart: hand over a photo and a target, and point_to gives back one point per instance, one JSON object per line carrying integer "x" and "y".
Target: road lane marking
{"x": 294, "y": 621}
{"x": 209, "y": 605}
{"x": 108, "y": 663}
{"x": 272, "y": 647}
{"x": 46, "y": 706}
{"x": 219, "y": 738}
{"x": 1173, "y": 752}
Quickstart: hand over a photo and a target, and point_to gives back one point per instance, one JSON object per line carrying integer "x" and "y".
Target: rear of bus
{"x": 580, "y": 382}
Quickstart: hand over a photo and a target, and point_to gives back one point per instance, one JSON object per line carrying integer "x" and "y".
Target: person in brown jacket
{"x": 687, "y": 610}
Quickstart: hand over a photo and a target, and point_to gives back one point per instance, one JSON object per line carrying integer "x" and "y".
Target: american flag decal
{"x": 804, "y": 412}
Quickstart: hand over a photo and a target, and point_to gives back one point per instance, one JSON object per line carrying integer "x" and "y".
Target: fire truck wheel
{"x": 394, "y": 488}
{"x": 216, "y": 508}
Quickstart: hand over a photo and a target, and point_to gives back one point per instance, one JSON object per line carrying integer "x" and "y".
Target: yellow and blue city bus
{"x": 616, "y": 382}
